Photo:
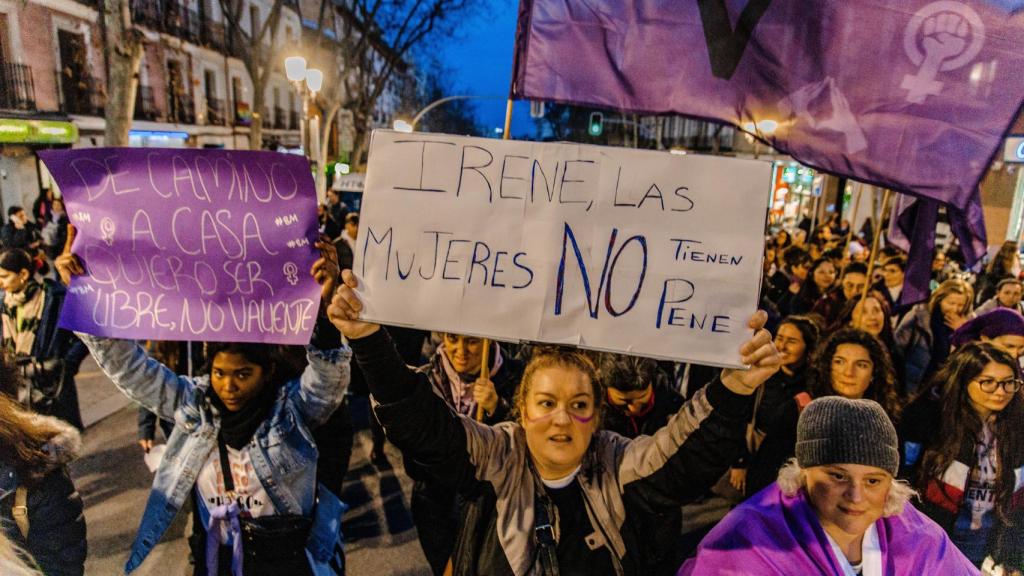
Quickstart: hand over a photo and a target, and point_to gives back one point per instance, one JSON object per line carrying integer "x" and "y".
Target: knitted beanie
{"x": 836, "y": 430}
{"x": 992, "y": 324}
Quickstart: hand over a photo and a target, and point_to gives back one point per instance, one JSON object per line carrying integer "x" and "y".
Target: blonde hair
{"x": 792, "y": 479}
{"x": 14, "y": 561}
{"x": 563, "y": 357}
{"x": 952, "y": 286}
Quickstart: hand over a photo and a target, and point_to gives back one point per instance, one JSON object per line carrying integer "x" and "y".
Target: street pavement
{"x": 114, "y": 483}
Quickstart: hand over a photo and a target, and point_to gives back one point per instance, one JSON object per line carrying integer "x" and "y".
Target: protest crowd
{"x": 847, "y": 402}
{"x": 870, "y": 435}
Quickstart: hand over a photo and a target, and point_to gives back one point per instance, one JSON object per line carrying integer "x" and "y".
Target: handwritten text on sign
{"x": 607, "y": 248}
{"x": 190, "y": 244}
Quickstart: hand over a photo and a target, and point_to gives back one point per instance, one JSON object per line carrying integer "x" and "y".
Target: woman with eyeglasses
{"x": 962, "y": 446}
{"x": 552, "y": 493}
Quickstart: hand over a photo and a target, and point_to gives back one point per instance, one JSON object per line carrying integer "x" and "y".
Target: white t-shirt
{"x": 870, "y": 555}
{"x": 253, "y": 500}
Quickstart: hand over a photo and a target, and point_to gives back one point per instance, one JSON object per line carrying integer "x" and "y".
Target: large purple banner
{"x": 212, "y": 245}
{"x": 913, "y": 95}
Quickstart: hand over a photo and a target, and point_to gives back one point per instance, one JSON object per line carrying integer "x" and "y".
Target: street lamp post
{"x": 409, "y": 126}
{"x": 307, "y": 82}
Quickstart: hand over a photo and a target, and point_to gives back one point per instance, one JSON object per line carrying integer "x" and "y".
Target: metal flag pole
{"x": 875, "y": 242}
{"x": 856, "y": 208}
{"x": 485, "y": 373}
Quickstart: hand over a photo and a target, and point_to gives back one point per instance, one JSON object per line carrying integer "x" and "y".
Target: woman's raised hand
{"x": 345, "y": 308}
{"x": 759, "y": 353}
{"x": 67, "y": 264}
{"x": 325, "y": 270}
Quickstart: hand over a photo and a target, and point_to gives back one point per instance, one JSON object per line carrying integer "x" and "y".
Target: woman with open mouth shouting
{"x": 551, "y": 493}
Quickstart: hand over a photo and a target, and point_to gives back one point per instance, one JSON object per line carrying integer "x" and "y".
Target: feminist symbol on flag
{"x": 951, "y": 35}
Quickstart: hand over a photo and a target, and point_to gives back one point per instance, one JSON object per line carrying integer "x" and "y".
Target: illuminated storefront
{"x": 795, "y": 189}
{"x": 21, "y": 176}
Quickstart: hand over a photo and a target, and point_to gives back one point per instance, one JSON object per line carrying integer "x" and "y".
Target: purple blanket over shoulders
{"x": 775, "y": 534}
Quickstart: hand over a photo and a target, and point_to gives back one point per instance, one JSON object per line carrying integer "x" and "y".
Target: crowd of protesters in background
{"x": 502, "y": 440}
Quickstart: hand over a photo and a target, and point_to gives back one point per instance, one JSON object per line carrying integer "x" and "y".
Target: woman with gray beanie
{"x": 834, "y": 510}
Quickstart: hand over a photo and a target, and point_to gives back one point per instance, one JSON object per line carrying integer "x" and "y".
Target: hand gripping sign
{"x": 631, "y": 251}
{"x": 210, "y": 245}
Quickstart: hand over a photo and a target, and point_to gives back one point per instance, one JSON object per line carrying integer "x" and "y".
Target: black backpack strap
{"x": 225, "y": 468}
{"x": 545, "y": 533}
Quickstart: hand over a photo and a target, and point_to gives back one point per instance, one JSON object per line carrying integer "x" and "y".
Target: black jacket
{"x": 629, "y": 486}
{"x": 777, "y": 396}
{"x": 56, "y": 537}
{"x": 11, "y": 237}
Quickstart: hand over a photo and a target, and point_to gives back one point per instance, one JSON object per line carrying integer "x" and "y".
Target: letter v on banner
{"x": 726, "y": 45}
{"x": 812, "y": 68}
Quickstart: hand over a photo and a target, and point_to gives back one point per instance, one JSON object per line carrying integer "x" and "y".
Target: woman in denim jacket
{"x": 239, "y": 417}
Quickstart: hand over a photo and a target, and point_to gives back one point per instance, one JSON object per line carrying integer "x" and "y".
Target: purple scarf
{"x": 775, "y": 534}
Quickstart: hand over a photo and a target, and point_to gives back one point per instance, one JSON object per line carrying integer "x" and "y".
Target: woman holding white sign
{"x": 550, "y": 493}
{"x": 241, "y": 445}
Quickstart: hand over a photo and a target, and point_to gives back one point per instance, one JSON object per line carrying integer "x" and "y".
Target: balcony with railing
{"x": 213, "y": 35}
{"x": 215, "y": 112}
{"x": 182, "y": 22}
{"x": 80, "y": 94}
{"x": 180, "y": 108}
{"x": 148, "y": 13}
{"x": 145, "y": 104}
{"x": 172, "y": 17}
{"x": 234, "y": 45}
{"x": 17, "y": 90}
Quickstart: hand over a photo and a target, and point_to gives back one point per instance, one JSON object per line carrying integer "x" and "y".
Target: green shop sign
{"x": 15, "y": 131}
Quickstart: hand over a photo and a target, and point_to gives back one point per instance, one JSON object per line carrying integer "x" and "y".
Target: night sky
{"x": 480, "y": 56}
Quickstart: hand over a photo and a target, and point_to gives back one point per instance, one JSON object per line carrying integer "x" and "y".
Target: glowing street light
{"x": 402, "y": 126}
{"x": 314, "y": 80}
{"x": 295, "y": 68}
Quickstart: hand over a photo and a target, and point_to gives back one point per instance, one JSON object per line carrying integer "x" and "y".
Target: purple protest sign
{"x": 913, "y": 95}
{"x": 212, "y": 245}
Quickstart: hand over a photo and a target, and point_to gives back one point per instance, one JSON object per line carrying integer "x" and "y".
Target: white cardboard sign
{"x": 631, "y": 251}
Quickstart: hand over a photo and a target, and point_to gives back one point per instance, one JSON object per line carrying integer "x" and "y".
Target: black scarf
{"x": 237, "y": 428}
{"x": 941, "y": 337}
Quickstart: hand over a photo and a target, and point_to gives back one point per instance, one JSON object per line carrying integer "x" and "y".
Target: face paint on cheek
{"x": 550, "y": 415}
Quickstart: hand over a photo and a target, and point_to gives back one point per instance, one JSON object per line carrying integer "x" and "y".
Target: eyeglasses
{"x": 989, "y": 385}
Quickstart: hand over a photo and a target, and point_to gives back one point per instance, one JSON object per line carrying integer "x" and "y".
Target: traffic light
{"x": 596, "y": 124}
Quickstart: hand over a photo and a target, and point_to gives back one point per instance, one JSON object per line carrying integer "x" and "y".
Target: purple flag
{"x": 178, "y": 244}
{"x": 914, "y": 95}
{"x": 912, "y": 228}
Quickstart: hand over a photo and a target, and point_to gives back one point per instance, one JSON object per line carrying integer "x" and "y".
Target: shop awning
{"x": 18, "y": 131}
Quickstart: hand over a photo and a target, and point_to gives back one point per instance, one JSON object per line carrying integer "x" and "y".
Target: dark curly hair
{"x": 959, "y": 422}
{"x": 883, "y": 377}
